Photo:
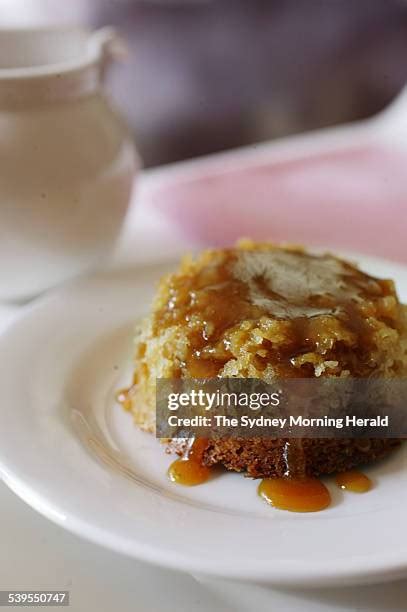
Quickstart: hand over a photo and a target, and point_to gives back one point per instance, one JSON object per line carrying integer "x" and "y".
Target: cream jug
{"x": 67, "y": 161}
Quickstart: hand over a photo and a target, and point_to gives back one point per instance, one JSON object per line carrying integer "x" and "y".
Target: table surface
{"x": 36, "y": 554}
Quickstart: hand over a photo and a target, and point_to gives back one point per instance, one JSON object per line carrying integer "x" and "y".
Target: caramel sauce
{"x": 354, "y": 481}
{"x": 294, "y": 459}
{"x": 317, "y": 299}
{"x": 124, "y": 399}
{"x": 299, "y": 494}
{"x": 295, "y": 494}
{"x": 188, "y": 470}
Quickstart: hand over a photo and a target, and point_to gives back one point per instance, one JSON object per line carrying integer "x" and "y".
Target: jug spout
{"x": 49, "y": 64}
{"x": 109, "y": 46}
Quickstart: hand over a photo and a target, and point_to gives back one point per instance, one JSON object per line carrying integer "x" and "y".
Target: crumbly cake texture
{"x": 262, "y": 311}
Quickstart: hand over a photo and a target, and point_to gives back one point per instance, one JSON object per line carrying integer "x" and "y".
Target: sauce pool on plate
{"x": 295, "y": 494}
{"x": 354, "y": 481}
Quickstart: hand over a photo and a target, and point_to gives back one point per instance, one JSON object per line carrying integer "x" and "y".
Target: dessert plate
{"x": 74, "y": 455}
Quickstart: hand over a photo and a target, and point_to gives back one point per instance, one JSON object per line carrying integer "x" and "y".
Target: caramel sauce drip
{"x": 188, "y": 470}
{"x": 295, "y": 494}
{"x": 124, "y": 399}
{"x": 294, "y": 459}
{"x": 354, "y": 481}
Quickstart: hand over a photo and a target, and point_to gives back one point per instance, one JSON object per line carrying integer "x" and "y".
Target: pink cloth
{"x": 354, "y": 199}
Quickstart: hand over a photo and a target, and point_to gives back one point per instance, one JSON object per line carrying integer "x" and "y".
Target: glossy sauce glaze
{"x": 354, "y": 481}
{"x": 313, "y": 297}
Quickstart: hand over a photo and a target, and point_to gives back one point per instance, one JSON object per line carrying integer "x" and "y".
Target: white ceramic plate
{"x": 69, "y": 451}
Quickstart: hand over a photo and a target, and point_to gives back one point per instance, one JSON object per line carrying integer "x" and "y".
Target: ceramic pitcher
{"x": 67, "y": 161}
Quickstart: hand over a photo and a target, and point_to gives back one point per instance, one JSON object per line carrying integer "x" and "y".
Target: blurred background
{"x": 208, "y": 75}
